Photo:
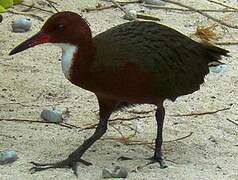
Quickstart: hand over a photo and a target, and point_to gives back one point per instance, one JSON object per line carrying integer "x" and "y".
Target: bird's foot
{"x": 67, "y": 163}
{"x": 159, "y": 160}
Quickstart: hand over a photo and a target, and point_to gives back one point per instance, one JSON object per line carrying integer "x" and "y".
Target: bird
{"x": 137, "y": 62}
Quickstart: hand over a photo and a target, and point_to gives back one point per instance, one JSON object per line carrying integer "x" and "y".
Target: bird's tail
{"x": 214, "y": 53}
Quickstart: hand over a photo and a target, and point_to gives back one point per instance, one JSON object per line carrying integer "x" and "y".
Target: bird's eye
{"x": 60, "y": 27}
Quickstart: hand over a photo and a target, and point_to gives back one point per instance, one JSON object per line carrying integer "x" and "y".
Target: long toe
{"x": 86, "y": 163}
{"x": 67, "y": 163}
{"x": 159, "y": 160}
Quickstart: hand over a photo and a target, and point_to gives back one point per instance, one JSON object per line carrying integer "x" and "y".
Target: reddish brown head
{"x": 63, "y": 27}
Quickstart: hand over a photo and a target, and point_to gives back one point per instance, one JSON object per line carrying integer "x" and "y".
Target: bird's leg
{"x": 160, "y": 113}
{"x": 74, "y": 158}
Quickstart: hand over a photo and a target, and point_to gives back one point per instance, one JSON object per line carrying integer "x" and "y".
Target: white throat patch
{"x": 68, "y": 52}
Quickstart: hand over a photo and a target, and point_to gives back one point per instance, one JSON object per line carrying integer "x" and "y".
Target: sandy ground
{"x": 32, "y": 81}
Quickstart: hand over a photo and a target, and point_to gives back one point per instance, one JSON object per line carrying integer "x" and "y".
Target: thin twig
{"x": 92, "y": 126}
{"x": 181, "y": 138}
{"x": 122, "y": 136}
{"x": 36, "y": 121}
{"x": 140, "y": 112}
{"x": 101, "y": 7}
{"x": 200, "y": 113}
{"x": 221, "y": 4}
{"x": 70, "y": 125}
{"x": 123, "y": 9}
{"x": 182, "y": 9}
{"x": 26, "y": 14}
{"x": 232, "y": 121}
{"x": 122, "y": 139}
{"x": 51, "y": 5}
{"x": 202, "y": 13}
{"x": 119, "y": 6}
{"x": 30, "y": 6}
{"x": 131, "y": 128}
{"x": 127, "y": 141}
{"x": 130, "y": 1}
{"x": 129, "y": 119}
{"x": 139, "y": 142}
{"x": 53, "y": 2}
{"x": 98, "y": 8}
{"x": 29, "y": 105}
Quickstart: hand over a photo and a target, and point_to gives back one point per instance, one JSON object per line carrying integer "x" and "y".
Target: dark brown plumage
{"x": 172, "y": 64}
{"x": 133, "y": 63}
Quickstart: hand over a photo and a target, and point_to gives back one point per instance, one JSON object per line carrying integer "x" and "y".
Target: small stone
{"x": 21, "y": 25}
{"x": 8, "y": 157}
{"x": 119, "y": 172}
{"x": 106, "y": 173}
{"x": 155, "y": 2}
{"x": 218, "y": 69}
{"x": 1, "y": 18}
{"x": 132, "y": 14}
{"x": 52, "y": 116}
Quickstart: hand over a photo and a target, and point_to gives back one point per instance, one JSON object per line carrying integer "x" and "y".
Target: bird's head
{"x": 61, "y": 28}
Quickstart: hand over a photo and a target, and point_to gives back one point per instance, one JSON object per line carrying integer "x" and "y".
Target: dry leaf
{"x": 207, "y": 33}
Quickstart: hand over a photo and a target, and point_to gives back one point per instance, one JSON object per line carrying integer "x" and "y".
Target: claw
{"x": 41, "y": 164}
{"x": 159, "y": 160}
{"x": 37, "y": 169}
{"x": 75, "y": 169}
{"x": 67, "y": 163}
{"x": 86, "y": 163}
